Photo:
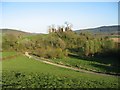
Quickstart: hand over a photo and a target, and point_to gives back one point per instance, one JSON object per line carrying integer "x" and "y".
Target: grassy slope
{"x": 25, "y": 65}
{"x": 87, "y": 64}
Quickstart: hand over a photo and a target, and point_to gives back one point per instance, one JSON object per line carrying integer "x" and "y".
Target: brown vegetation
{"x": 116, "y": 40}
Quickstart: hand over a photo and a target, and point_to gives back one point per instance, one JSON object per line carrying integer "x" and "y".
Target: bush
{"x": 49, "y": 52}
{"x": 59, "y": 53}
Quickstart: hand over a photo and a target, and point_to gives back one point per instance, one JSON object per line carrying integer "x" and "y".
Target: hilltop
{"x": 110, "y": 30}
{"x": 12, "y": 31}
{"x": 16, "y": 32}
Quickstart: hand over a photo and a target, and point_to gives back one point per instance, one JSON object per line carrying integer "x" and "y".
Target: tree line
{"x": 59, "y": 43}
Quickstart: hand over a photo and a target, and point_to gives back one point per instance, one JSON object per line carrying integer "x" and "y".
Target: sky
{"x": 37, "y": 16}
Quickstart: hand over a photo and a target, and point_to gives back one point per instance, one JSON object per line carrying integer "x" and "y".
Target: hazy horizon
{"x": 35, "y": 17}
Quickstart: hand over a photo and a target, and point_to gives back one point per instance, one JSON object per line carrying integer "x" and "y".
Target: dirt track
{"x": 63, "y": 66}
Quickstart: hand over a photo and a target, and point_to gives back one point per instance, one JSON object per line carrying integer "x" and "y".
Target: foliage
{"x": 57, "y": 42}
{"x": 49, "y": 52}
{"x": 35, "y": 80}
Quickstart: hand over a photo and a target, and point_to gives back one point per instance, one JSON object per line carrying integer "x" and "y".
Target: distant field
{"x": 6, "y": 54}
{"x": 116, "y": 39}
{"x": 114, "y": 36}
{"x": 22, "y": 72}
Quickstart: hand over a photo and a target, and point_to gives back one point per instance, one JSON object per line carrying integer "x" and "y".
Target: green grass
{"x": 6, "y": 54}
{"x": 90, "y": 65}
{"x": 24, "y": 72}
{"x": 35, "y": 36}
{"x": 25, "y": 64}
{"x": 0, "y": 55}
{"x": 114, "y": 36}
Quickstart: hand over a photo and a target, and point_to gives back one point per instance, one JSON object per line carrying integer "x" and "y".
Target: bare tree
{"x": 68, "y": 26}
{"x": 49, "y": 29}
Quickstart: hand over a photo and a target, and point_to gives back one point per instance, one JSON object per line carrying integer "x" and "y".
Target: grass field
{"x": 90, "y": 65}
{"x": 6, "y": 54}
{"x": 22, "y": 72}
{"x": 114, "y": 36}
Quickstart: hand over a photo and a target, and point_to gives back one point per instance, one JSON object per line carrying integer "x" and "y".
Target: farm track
{"x": 67, "y": 67}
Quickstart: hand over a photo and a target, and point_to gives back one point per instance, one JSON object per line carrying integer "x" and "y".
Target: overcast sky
{"x": 37, "y": 16}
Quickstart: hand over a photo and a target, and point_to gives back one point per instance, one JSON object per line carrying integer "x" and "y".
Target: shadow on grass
{"x": 107, "y": 69}
{"x": 107, "y": 62}
{"x": 112, "y": 60}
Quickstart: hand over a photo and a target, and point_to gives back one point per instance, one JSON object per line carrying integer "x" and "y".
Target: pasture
{"x": 93, "y": 64}
{"x": 6, "y": 54}
{"x": 22, "y": 72}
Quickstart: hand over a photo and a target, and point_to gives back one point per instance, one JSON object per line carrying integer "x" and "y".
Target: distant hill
{"x": 109, "y": 30}
{"x": 5, "y": 31}
{"x": 15, "y": 32}
{"x": 102, "y": 30}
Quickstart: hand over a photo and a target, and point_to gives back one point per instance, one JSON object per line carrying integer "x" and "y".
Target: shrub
{"x": 59, "y": 53}
{"x": 49, "y": 52}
